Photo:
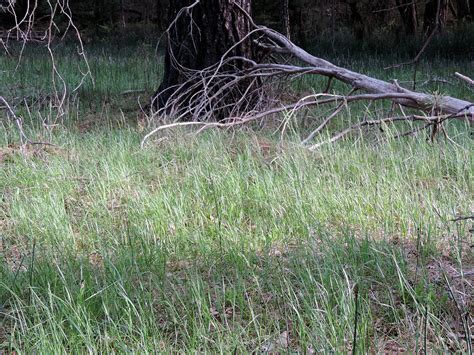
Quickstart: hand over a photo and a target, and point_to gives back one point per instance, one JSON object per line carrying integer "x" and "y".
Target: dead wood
{"x": 247, "y": 89}
{"x": 465, "y": 78}
{"x": 17, "y": 120}
{"x": 425, "y": 102}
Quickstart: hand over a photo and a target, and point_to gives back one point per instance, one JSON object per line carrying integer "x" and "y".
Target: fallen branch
{"x": 239, "y": 94}
{"x": 424, "y": 102}
{"x": 462, "y": 218}
{"x": 464, "y": 78}
{"x": 312, "y": 100}
{"x": 361, "y": 124}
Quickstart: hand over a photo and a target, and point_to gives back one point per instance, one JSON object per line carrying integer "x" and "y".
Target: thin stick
{"x": 356, "y": 319}
{"x": 19, "y": 124}
{"x": 346, "y": 131}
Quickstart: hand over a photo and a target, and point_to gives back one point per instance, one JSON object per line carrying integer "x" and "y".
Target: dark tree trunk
{"x": 122, "y": 13}
{"x": 408, "y": 13}
{"x": 462, "y": 9}
{"x": 300, "y": 27}
{"x": 357, "y": 22}
{"x": 435, "y": 15}
{"x": 286, "y": 18}
{"x": 200, "y": 37}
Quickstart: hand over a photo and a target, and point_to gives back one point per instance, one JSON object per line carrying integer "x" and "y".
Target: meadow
{"x": 229, "y": 241}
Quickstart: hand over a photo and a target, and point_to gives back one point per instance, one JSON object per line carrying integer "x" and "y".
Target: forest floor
{"x": 228, "y": 241}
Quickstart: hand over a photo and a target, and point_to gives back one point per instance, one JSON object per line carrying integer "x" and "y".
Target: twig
{"x": 361, "y": 124}
{"x": 329, "y": 118}
{"x": 127, "y": 92}
{"x": 324, "y": 123}
{"x": 461, "y": 310}
{"x": 19, "y": 124}
{"x": 461, "y": 218}
{"x": 425, "y": 331}
{"x": 356, "y": 319}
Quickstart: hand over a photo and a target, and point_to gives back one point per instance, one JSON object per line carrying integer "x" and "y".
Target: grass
{"x": 217, "y": 244}
{"x": 228, "y": 241}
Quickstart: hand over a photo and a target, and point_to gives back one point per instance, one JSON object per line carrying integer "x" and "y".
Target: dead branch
{"x": 19, "y": 124}
{"x": 462, "y": 218}
{"x": 465, "y": 78}
{"x": 46, "y": 30}
{"x": 424, "y": 102}
{"x": 361, "y": 124}
{"x": 308, "y": 101}
{"x": 216, "y": 93}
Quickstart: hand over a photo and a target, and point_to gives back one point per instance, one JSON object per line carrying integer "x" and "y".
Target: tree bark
{"x": 199, "y": 37}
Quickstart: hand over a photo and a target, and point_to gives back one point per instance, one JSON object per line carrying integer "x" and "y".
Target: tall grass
{"x": 228, "y": 241}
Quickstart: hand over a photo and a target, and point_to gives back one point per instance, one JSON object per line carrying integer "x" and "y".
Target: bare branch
{"x": 465, "y": 78}
{"x": 19, "y": 124}
{"x": 216, "y": 93}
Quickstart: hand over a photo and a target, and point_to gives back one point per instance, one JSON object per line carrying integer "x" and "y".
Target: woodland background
{"x": 308, "y": 19}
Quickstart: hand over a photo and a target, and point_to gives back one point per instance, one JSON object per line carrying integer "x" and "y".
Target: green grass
{"x": 213, "y": 244}
{"x": 114, "y": 69}
{"x": 229, "y": 241}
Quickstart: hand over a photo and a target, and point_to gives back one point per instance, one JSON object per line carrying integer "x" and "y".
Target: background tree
{"x": 408, "y": 15}
{"x": 435, "y": 17}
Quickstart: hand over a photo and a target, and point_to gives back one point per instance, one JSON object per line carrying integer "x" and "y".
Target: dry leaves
{"x": 279, "y": 343}
{"x": 96, "y": 260}
{"x": 14, "y": 258}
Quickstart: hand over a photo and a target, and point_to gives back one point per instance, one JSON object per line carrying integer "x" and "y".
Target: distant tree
{"x": 464, "y": 9}
{"x": 356, "y": 20}
{"x": 408, "y": 14}
{"x": 285, "y": 10}
{"x": 435, "y": 15}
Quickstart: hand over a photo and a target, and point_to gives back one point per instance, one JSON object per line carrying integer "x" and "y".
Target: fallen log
{"x": 206, "y": 91}
{"x": 425, "y": 102}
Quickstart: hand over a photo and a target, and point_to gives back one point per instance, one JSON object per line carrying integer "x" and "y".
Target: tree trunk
{"x": 286, "y": 18}
{"x": 357, "y": 22}
{"x": 199, "y": 37}
{"x": 302, "y": 40}
{"x": 122, "y": 13}
{"x": 462, "y": 9}
{"x": 435, "y": 16}
{"x": 408, "y": 13}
